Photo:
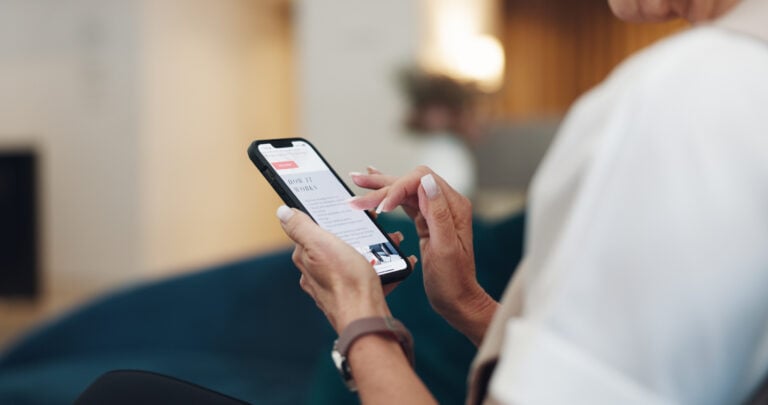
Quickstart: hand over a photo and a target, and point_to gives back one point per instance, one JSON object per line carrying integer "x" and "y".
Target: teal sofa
{"x": 245, "y": 329}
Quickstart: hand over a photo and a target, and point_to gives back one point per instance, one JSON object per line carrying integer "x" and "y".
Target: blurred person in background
{"x": 644, "y": 279}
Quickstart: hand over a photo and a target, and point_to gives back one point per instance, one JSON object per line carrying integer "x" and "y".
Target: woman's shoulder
{"x": 701, "y": 70}
{"x": 698, "y": 59}
{"x": 704, "y": 86}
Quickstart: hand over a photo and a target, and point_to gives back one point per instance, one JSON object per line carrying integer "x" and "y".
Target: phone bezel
{"x": 290, "y": 199}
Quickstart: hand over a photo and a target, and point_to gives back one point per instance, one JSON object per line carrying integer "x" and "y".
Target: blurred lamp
{"x": 477, "y": 58}
{"x": 457, "y": 42}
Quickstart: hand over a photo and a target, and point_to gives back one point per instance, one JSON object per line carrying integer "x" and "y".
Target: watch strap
{"x": 364, "y": 326}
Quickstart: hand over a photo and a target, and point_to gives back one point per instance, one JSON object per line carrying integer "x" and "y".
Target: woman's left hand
{"x": 342, "y": 283}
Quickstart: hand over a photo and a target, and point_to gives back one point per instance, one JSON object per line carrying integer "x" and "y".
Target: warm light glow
{"x": 458, "y": 43}
{"x": 479, "y": 58}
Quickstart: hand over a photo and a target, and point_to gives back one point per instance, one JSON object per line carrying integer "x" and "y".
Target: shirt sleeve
{"x": 647, "y": 280}
{"x": 542, "y": 368}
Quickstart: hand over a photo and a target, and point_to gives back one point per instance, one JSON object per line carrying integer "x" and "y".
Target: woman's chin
{"x": 641, "y": 11}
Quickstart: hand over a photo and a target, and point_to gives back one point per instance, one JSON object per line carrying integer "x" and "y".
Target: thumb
{"x": 437, "y": 212}
{"x": 298, "y": 225}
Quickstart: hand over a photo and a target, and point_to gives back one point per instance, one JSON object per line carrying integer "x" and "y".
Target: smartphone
{"x": 304, "y": 180}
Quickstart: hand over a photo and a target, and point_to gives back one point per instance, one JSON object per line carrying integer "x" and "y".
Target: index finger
{"x": 372, "y": 181}
{"x": 389, "y": 197}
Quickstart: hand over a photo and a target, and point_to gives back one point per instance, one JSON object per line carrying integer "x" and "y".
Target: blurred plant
{"x": 439, "y": 103}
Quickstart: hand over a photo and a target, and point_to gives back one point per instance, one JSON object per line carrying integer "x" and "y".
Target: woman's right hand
{"x": 443, "y": 220}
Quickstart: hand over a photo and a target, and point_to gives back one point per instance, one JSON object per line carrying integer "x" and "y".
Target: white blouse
{"x": 646, "y": 270}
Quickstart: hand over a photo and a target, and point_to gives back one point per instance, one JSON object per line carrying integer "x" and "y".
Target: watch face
{"x": 338, "y": 360}
{"x": 343, "y": 366}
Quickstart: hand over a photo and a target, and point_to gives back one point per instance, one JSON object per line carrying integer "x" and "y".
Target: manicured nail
{"x": 380, "y": 207}
{"x": 372, "y": 170}
{"x": 430, "y": 186}
{"x": 284, "y": 213}
{"x": 354, "y": 174}
{"x": 351, "y": 200}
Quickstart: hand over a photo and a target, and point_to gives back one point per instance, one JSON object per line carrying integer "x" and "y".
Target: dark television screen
{"x": 18, "y": 225}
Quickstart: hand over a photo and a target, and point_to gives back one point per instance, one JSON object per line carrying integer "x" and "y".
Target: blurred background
{"x": 124, "y": 124}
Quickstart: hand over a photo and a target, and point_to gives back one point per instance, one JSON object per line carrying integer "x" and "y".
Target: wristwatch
{"x": 362, "y": 327}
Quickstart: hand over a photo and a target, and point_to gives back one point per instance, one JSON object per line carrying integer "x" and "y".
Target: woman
{"x": 644, "y": 278}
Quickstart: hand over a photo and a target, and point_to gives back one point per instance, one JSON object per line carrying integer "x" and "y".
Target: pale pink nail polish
{"x": 430, "y": 186}
{"x": 380, "y": 207}
{"x": 284, "y": 213}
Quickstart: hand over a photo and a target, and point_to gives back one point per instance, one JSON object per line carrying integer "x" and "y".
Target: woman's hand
{"x": 346, "y": 287}
{"x": 342, "y": 283}
{"x": 443, "y": 220}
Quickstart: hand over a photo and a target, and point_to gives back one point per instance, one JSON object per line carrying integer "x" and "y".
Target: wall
{"x": 349, "y": 53}
{"x": 68, "y": 89}
{"x": 142, "y": 111}
{"x": 216, "y": 75}
{"x": 556, "y": 50}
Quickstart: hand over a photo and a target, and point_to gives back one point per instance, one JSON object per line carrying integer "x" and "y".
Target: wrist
{"x": 385, "y": 342}
{"x": 383, "y": 331}
{"x": 351, "y": 313}
{"x": 381, "y": 334}
{"x": 472, "y": 314}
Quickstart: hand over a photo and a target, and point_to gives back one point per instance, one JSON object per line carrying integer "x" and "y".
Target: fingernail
{"x": 415, "y": 259}
{"x": 372, "y": 169}
{"x": 430, "y": 186}
{"x": 353, "y": 174}
{"x": 284, "y": 213}
{"x": 380, "y": 207}
{"x": 400, "y": 236}
{"x": 351, "y": 201}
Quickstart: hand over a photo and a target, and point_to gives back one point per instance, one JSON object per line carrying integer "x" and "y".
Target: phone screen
{"x": 325, "y": 199}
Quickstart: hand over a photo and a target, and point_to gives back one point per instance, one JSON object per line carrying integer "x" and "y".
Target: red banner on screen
{"x": 287, "y": 164}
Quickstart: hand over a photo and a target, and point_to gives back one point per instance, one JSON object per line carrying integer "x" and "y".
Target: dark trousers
{"x": 124, "y": 387}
